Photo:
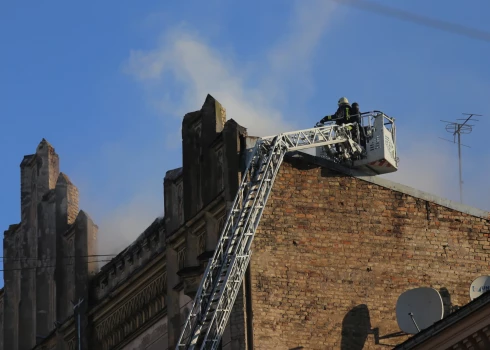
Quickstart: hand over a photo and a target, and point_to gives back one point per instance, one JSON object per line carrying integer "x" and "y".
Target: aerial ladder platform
{"x": 371, "y": 145}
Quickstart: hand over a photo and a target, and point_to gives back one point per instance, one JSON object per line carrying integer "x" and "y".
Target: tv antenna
{"x": 457, "y": 129}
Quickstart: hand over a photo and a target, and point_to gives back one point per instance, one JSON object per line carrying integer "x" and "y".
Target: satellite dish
{"x": 479, "y": 286}
{"x": 418, "y": 308}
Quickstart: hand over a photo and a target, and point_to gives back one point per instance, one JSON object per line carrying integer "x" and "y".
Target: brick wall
{"x": 333, "y": 253}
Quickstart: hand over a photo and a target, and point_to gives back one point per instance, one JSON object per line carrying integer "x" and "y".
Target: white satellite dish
{"x": 479, "y": 286}
{"x": 418, "y": 308}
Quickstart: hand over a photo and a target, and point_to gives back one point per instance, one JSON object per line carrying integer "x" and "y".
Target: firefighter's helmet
{"x": 343, "y": 101}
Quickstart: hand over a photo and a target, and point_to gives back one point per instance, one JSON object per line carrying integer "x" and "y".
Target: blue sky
{"x": 107, "y": 83}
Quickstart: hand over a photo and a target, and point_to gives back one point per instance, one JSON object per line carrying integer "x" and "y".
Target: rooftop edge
{"x": 377, "y": 180}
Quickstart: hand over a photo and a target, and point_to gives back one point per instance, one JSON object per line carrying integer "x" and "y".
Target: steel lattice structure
{"x": 224, "y": 274}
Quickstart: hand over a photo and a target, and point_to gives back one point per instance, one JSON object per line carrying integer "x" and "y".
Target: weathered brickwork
{"x": 333, "y": 253}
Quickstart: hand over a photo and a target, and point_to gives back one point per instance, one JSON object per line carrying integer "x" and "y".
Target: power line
{"x": 42, "y": 267}
{"x": 445, "y": 26}
{"x": 64, "y": 257}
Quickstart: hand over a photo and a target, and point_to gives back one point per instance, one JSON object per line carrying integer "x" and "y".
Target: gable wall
{"x": 333, "y": 253}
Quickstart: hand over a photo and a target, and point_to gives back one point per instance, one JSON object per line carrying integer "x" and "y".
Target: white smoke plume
{"x": 184, "y": 59}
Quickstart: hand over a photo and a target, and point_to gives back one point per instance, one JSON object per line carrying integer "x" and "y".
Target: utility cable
{"x": 48, "y": 266}
{"x": 446, "y": 26}
{"x": 64, "y": 257}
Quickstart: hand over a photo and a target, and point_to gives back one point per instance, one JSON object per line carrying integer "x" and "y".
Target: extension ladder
{"x": 224, "y": 274}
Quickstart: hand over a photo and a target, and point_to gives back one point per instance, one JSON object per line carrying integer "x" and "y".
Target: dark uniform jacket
{"x": 356, "y": 113}
{"x": 342, "y": 116}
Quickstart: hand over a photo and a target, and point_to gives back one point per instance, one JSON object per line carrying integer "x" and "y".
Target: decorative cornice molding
{"x": 133, "y": 314}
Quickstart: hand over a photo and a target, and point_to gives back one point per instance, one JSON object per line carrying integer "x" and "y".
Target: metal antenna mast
{"x": 458, "y": 128}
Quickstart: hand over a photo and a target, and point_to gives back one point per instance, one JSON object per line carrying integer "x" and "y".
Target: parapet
{"x": 130, "y": 261}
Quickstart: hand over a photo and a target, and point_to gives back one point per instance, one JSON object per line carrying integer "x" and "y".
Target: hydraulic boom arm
{"x": 224, "y": 273}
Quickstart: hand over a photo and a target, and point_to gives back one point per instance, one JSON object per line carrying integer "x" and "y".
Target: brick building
{"x": 334, "y": 250}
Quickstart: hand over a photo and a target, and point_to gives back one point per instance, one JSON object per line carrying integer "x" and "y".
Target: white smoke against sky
{"x": 185, "y": 61}
{"x": 424, "y": 166}
{"x": 199, "y": 68}
{"x": 129, "y": 178}
{"x": 183, "y": 67}
{"x": 431, "y": 165}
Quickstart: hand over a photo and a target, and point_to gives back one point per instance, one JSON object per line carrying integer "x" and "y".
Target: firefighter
{"x": 347, "y": 114}
{"x": 355, "y": 117}
{"x": 342, "y": 115}
{"x": 356, "y": 113}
